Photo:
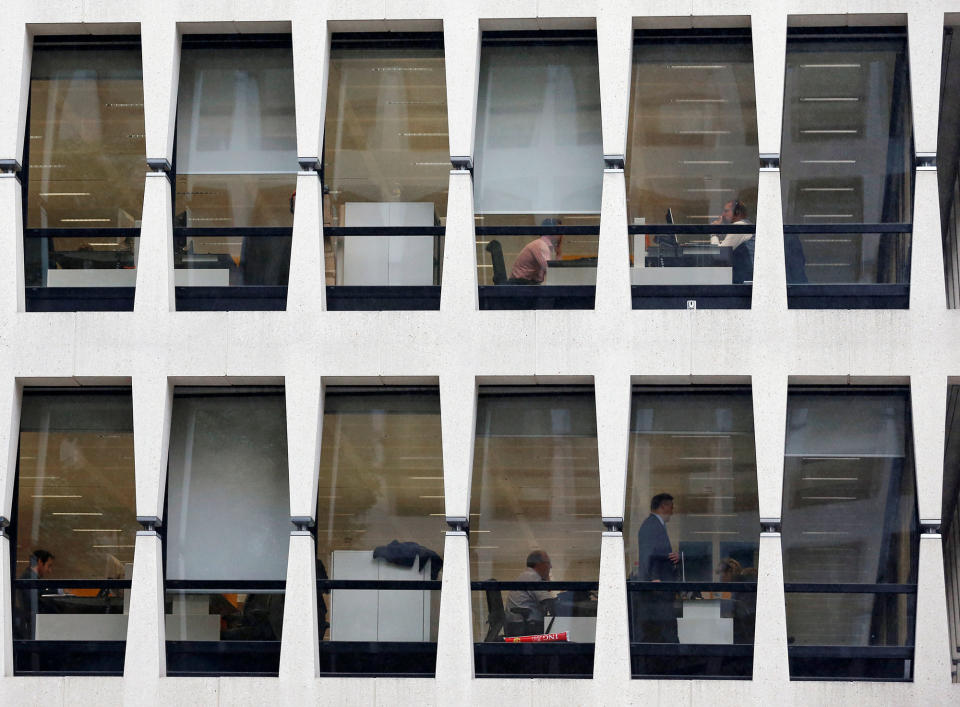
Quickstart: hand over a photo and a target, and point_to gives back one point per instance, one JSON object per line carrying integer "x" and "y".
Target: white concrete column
{"x": 160, "y": 47}
{"x": 769, "y": 263}
{"x": 611, "y": 662}
{"x": 12, "y": 298}
{"x": 770, "y": 429}
{"x": 615, "y": 53}
{"x": 461, "y": 48}
{"x": 145, "y": 660}
{"x": 300, "y": 648}
{"x": 459, "y": 291}
{"x": 928, "y": 398}
{"x": 927, "y": 288}
{"x": 155, "y": 276}
{"x": 612, "y": 392}
{"x": 311, "y": 67}
{"x": 307, "y": 289}
{"x": 932, "y": 652}
{"x": 925, "y": 46}
{"x": 16, "y": 53}
{"x": 771, "y": 669}
{"x": 152, "y": 409}
{"x": 6, "y": 610}
{"x": 768, "y": 23}
{"x": 613, "y": 256}
{"x": 458, "y": 421}
{"x": 11, "y": 398}
{"x": 304, "y": 401}
{"x": 455, "y": 630}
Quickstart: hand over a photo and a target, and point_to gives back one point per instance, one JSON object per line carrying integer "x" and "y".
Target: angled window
{"x": 84, "y": 166}
{"x": 538, "y": 170}
{"x": 850, "y": 534}
{"x": 236, "y": 172}
{"x": 691, "y": 169}
{"x": 950, "y": 527}
{"x": 692, "y": 525}
{"x": 847, "y": 169}
{"x": 380, "y": 519}
{"x": 385, "y": 171}
{"x": 72, "y": 532}
{"x": 227, "y": 531}
{"x": 948, "y": 161}
{"x": 535, "y": 532}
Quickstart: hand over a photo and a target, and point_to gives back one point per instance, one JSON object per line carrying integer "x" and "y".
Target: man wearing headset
{"x": 735, "y": 213}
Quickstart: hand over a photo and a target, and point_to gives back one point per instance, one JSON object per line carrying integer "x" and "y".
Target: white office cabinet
{"x": 386, "y": 260}
{"x": 375, "y": 615}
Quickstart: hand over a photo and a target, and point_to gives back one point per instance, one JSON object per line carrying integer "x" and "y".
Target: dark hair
{"x": 739, "y": 208}
{"x": 40, "y": 556}
{"x": 536, "y": 557}
{"x": 659, "y": 500}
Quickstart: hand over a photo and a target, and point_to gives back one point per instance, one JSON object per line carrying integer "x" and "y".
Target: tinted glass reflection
{"x": 380, "y": 513}
{"x": 385, "y": 140}
{"x": 85, "y": 143}
{"x": 75, "y": 516}
{"x": 697, "y": 448}
{"x": 849, "y": 518}
{"x": 236, "y": 136}
{"x": 535, "y": 488}
{"x": 847, "y": 133}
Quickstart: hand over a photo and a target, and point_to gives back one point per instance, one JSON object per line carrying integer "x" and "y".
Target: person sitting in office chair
{"x": 527, "y": 607}
{"x": 735, "y": 213}
{"x": 530, "y": 267}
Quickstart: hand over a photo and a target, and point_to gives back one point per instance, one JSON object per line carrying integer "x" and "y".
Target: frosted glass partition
{"x": 228, "y": 502}
{"x": 539, "y": 151}
{"x": 236, "y": 158}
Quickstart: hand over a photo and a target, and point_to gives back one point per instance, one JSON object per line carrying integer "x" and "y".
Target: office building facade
{"x": 332, "y": 330}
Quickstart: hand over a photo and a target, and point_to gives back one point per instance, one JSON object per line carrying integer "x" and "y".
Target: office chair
{"x": 499, "y": 270}
{"x": 496, "y": 615}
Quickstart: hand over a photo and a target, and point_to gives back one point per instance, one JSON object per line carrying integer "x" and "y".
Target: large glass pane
{"x": 692, "y": 517}
{"x": 84, "y": 163}
{"x": 85, "y": 147}
{"x": 534, "y": 516}
{"x": 692, "y": 157}
{"x": 228, "y": 520}
{"x": 850, "y": 523}
{"x": 380, "y": 517}
{"x": 539, "y": 154}
{"x": 385, "y": 140}
{"x": 236, "y": 136}
{"x": 847, "y": 156}
{"x": 74, "y": 519}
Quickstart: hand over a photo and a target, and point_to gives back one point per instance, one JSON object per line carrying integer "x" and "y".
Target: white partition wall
{"x": 768, "y": 346}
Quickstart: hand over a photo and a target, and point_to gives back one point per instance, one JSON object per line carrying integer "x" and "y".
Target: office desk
{"x": 206, "y": 277}
{"x": 582, "y": 271}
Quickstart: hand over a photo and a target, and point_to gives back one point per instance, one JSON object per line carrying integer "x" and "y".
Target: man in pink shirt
{"x": 530, "y": 267}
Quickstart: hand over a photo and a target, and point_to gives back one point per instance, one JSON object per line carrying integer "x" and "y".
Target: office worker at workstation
{"x": 521, "y": 601}
{"x": 530, "y": 267}
{"x": 735, "y": 213}
{"x": 28, "y": 602}
{"x": 656, "y": 620}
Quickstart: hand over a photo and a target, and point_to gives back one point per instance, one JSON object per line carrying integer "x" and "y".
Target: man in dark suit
{"x": 655, "y": 619}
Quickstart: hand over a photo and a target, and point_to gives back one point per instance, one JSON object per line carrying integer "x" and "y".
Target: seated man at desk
{"x": 28, "y": 602}
{"x": 520, "y": 622}
{"x": 530, "y": 267}
{"x": 735, "y": 213}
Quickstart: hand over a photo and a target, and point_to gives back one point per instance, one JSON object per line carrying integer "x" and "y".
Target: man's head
{"x": 733, "y": 211}
{"x": 662, "y": 505}
{"x": 540, "y": 562}
{"x": 42, "y": 562}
